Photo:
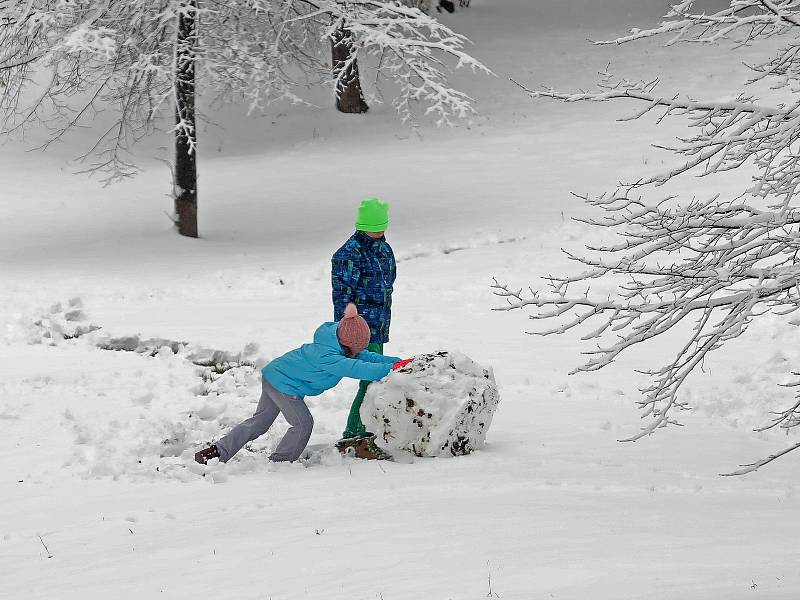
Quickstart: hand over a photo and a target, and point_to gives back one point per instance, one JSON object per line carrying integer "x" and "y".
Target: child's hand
{"x": 401, "y": 363}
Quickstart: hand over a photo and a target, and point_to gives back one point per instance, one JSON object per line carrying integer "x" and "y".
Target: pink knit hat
{"x": 353, "y": 330}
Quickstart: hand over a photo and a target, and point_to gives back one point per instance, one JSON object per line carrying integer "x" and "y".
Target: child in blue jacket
{"x": 363, "y": 271}
{"x": 338, "y": 351}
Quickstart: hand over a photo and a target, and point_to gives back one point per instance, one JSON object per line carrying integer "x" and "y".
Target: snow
{"x": 95, "y": 41}
{"x": 552, "y": 506}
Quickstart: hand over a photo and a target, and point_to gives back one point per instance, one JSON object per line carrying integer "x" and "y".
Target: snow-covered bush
{"x": 440, "y": 404}
{"x": 717, "y": 262}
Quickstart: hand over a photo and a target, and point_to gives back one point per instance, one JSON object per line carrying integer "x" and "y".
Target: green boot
{"x": 355, "y": 428}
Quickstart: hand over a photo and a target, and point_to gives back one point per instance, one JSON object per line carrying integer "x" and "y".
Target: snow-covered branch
{"x": 742, "y": 22}
{"x": 728, "y": 133}
{"x": 412, "y": 49}
{"x": 701, "y": 268}
{"x": 103, "y": 55}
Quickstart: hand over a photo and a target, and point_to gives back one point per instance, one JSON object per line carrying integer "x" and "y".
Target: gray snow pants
{"x": 272, "y": 402}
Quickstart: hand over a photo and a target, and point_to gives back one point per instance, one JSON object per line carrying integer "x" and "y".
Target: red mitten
{"x": 401, "y": 363}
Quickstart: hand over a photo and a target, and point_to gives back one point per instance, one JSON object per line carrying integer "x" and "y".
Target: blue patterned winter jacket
{"x": 319, "y": 366}
{"x": 363, "y": 271}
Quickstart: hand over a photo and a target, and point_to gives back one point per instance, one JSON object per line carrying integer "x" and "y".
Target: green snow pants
{"x": 355, "y": 427}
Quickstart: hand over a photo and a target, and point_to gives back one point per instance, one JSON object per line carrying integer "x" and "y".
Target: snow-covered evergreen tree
{"x": 716, "y": 262}
{"x": 63, "y": 62}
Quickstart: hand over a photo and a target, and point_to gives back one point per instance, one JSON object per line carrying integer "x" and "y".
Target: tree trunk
{"x": 349, "y": 97}
{"x": 185, "y": 184}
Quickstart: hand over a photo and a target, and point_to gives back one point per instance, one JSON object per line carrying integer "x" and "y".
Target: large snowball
{"x": 440, "y": 404}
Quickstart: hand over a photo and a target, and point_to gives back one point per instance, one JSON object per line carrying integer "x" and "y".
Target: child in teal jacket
{"x": 338, "y": 351}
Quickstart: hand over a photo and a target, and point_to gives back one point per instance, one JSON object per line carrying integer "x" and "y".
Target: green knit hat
{"x": 373, "y": 215}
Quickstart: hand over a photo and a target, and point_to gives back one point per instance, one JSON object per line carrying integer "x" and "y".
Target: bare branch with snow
{"x": 65, "y": 64}
{"x": 714, "y": 264}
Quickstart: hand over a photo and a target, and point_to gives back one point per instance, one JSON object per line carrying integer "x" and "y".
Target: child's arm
{"x": 374, "y": 357}
{"x": 345, "y": 272}
{"x": 354, "y": 368}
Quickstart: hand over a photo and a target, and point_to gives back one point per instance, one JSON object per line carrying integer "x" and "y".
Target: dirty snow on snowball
{"x": 440, "y": 404}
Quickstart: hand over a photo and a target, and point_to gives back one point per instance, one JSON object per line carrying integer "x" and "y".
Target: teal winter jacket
{"x": 319, "y": 366}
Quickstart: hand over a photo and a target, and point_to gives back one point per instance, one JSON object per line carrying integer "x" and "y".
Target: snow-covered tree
{"x": 407, "y": 47}
{"x": 344, "y": 59}
{"x": 348, "y": 92}
{"x": 716, "y": 263}
{"x": 64, "y": 63}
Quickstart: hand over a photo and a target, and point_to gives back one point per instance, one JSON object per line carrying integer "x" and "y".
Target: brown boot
{"x": 206, "y": 454}
{"x": 367, "y": 449}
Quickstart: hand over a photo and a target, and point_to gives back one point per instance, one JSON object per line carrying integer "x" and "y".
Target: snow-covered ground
{"x": 553, "y": 507}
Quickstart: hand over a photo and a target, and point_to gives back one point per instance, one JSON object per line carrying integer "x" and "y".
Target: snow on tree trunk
{"x": 440, "y": 404}
{"x": 349, "y": 96}
{"x": 185, "y": 130}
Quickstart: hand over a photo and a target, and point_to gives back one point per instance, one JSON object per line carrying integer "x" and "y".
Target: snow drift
{"x": 440, "y": 404}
